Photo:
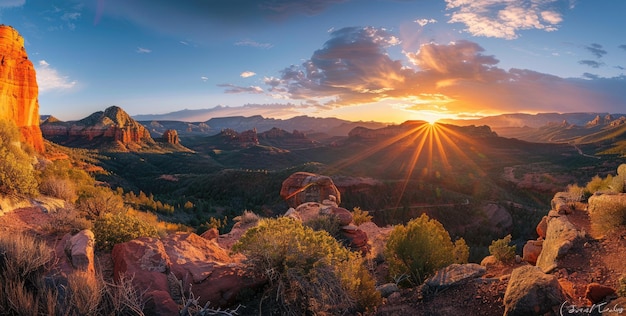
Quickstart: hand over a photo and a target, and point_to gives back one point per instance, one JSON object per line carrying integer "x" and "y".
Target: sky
{"x": 360, "y": 60}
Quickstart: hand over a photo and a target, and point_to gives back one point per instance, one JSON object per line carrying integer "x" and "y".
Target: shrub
{"x": 359, "y": 216}
{"x": 501, "y": 250}
{"x": 66, "y": 220}
{"x": 326, "y": 222}
{"x": 621, "y": 286}
{"x": 98, "y": 201}
{"x": 420, "y": 248}
{"x": 607, "y": 213}
{"x": 598, "y": 184}
{"x": 60, "y": 188}
{"x": 461, "y": 251}
{"x": 114, "y": 228}
{"x": 17, "y": 175}
{"x": 309, "y": 271}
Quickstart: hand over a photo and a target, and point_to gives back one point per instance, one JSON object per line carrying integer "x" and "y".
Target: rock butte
{"x": 18, "y": 87}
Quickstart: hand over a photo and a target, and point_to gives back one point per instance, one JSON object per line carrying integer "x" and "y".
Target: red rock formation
{"x": 18, "y": 87}
{"x": 170, "y": 136}
{"x": 302, "y": 187}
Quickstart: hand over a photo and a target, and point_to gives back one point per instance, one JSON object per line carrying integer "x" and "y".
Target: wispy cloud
{"x": 11, "y": 3}
{"x": 204, "y": 78}
{"x": 234, "y": 89}
{"x": 504, "y": 18}
{"x": 591, "y": 63}
{"x": 251, "y": 43}
{"x": 142, "y": 50}
{"x": 247, "y": 74}
{"x": 596, "y": 50}
{"x": 423, "y": 22}
{"x": 622, "y": 46}
{"x": 69, "y": 18}
{"x": 49, "y": 79}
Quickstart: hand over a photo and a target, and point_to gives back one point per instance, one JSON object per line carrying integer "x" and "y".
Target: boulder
{"x": 561, "y": 235}
{"x": 489, "y": 261}
{"x": 387, "y": 289}
{"x": 18, "y": 88}
{"x": 356, "y": 239}
{"x": 532, "y": 292}
{"x": 454, "y": 274}
{"x": 302, "y": 187}
{"x": 561, "y": 203}
{"x": 80, "y": 250}
{"x": 145, "y": 261}
{"x": 542, "y": 227}
{"x": 597, "y": 293}
{"x": 160, "y": 303}
{"x": 211, "y": 234}
{"x": 532, "y": 250}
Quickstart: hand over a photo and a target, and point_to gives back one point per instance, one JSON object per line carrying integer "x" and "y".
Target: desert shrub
{"x": 114, "y": 228}
{"x": 60, "y": 188}
{"x": 98, "y": 201}
{"x": 607, "y": 213}
{"x": 619, "y": 181}
{"x": 420, "y": 247}
{"x": 575, "y": 193}
{"x": 247, "y": 217}
{"x": 598, "y": 184}
{"x": 501, "y": 250}
{"x": 309, "y": 271}
{"x": 326, "y": 222}
{"x": 461, "y": 251}
{"x": 63, "y": 171}
{"x": 360, "y": 216}
{"x": 66, "y": 220}
{"x": 17, "y": 174}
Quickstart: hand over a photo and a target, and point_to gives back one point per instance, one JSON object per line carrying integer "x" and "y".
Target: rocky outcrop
{"x": 112, "y": 127}
{"x": 532, "y": 292}
{"x": 302, "y": 187}
{"x": 532, "y": 250}
{"x": 454, "y": 274}
{"x": 18, "y": 87}
{"x": 244, "y": 139}
{"x": 76, "y": 253}
{"x": 183, "y": 264}
{"x": 170, "y": 136}
{"x": 561, "y": 236}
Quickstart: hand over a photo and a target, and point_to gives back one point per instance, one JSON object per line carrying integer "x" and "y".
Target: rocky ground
{"x": 597, "y": 260}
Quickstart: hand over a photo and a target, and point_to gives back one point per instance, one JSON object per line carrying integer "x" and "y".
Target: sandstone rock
{"x": 160, "y": 303}
{"x": 560, "y": 203}
{"x": 597, "y": 293}
{"x": 489, "y": 261}
{"x": 18, "y": 87}
{"x": 531, "y": 251}
{"x": 561, "y": 235}
{"x": 542, "y": 227}
{"x": 387, "y": 289}
{"x": 498, "y": 217}
{"x": 145, "y": 260}
{"x": 170, "y": 136}
{"x": 211, "y": 234}
{"x": 532, "y": 292}
{"x": 455, "y": 274}
{"x": 302, "y": 187}
{"x": 356, "y": 239}
{"x": 80, "y": 248}
{"x": 343, "y": 215}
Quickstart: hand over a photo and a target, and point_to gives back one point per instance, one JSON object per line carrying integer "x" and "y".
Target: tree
{"x": 420, "y": 248}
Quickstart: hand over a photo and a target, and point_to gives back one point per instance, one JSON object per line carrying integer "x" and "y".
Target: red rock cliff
{"x": 18, "y": 87}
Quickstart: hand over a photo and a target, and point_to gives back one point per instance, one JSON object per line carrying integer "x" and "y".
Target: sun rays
{"x": 417, "y": 150}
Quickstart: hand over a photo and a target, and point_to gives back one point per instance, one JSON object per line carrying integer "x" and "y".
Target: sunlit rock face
{"x": 18, "y": 87}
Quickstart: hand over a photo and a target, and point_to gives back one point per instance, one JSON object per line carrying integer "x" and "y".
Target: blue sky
{"x": 383, "y": 60}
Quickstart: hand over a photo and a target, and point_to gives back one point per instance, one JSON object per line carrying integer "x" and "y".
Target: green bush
{"x": 607, "y": 212}
{"x": 420, "y": 247}
{"x": 328, "y": 223}
{"x": 309, "y": 271}
{"x": 501, "y": 250}
{"x": 99, "y": 201}
{"x": 360, "y": 216}
{"x": 114, "y": 228}
{"x": 17, "y": 175}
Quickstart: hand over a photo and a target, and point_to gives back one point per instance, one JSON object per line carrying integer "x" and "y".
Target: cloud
{"x": 596, "y": 50}
{"x": 11, "y": 3}
{"x": 234, "y": 89}
{"x": 354, "y": 68}
{"x": 204, "y": 78}
{"x": 505, "y": 18}
{"x": 247, "y": 74}
{"x": 49, "y": 79}
{"x": 591, "y": 63}
{"x": 622, "y": 46}
{"x": 142, "y": 50}
{"x": 251, "y": 43}
{"x": 423, "y": 22}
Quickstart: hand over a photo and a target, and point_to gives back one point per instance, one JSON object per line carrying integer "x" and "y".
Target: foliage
{"x": 64, "y": 189}
{"x": 461, "y": 251}
{"x": 607, "y": 213}
{"x": 598, "y": 184}
{"x": 325, "y": 222}
{"x": 420, "y": 247}
{"x": 621, "y": 289}
{"x": 309, "y": 271}
{"x": 61, "y": 179}
{"x": 25, "y": 291}
{"x": 360, "y": 216}
{"x": 575, "y": 193}
{"x": 501, "y": 250}
{"x": 67, "y": 220}
{"x": 17, "y": 174}
{"x": 248, "y": 217}
{"x": 148, "y": 203}
{"x": 114, "y": 228}
{"x": 99, "y": 201}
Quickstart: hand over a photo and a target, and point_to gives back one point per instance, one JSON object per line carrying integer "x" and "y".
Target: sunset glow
{"x": 386, "y": 60}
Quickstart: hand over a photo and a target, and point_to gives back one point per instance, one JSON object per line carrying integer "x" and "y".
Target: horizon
{"x": 383, "y": 61}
